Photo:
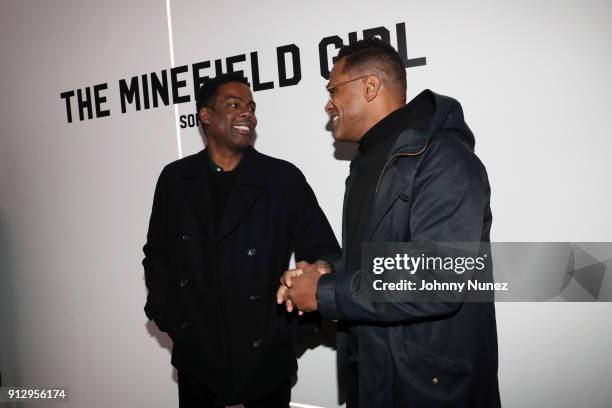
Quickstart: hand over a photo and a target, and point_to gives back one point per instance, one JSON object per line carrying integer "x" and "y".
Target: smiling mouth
{"x": 243, "y": 128}
{"x": 333, "y": 120}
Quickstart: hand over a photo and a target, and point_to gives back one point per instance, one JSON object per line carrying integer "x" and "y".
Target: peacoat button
{"x": 254, "y": 297}
{"x": 251, "y": 252}
{"x": 184, "y": 325}
{"x": 186, "y": 237}
{"x": 435, "y": 380}
{"x": 257, "y": 343}
{"x": 183, "y": 283}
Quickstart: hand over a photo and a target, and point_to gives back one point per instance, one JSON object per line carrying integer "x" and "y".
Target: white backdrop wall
{"x": 533, "y": 79}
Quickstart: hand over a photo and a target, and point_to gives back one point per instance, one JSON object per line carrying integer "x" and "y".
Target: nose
{"x": 247, "y": 113}
{"x": 329, "y": 107}
{"x": 249, "y": 116}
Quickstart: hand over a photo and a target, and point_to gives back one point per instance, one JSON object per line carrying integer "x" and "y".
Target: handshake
{"x": 298, "y": 288}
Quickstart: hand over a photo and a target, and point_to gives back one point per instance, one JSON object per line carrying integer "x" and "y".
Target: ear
{"x": 204, "y": 115}
{"x": 372, "y": 87}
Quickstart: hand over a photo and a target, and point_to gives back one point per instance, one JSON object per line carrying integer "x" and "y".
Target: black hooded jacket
{"x": 432, "y": 188}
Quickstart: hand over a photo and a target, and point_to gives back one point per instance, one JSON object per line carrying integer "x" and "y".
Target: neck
{"x": 225, "y": 158}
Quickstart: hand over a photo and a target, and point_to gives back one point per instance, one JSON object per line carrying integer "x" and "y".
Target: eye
{"x": 233, "y": 105}
{"x": 252, "y": 109}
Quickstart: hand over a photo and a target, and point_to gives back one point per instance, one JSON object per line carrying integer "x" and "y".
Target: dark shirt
{"x": 221, "y": 185}
{"x": 366, "y": 169}
{"x": 374, "y": 148}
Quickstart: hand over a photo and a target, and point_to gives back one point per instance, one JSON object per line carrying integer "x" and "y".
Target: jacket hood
{"x": 426, "y": 115}
{"x": 448, "y": 115}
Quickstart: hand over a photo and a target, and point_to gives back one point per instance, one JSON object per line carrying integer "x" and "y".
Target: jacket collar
{"x": 414, "y": 123}
{"x": 198, "y": 167}
{"x": 417, "y": 119}
{"x": 249, "y": 184}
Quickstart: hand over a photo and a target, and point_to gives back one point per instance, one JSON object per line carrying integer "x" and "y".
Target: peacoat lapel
{"x": 247, "y": 190}
{"x": 199, "y": 195}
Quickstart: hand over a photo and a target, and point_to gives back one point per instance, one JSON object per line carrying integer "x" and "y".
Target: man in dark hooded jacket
{"x": 415, "y": 178}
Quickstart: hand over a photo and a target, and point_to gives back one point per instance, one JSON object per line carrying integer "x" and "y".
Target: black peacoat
{"x": 212, "y": 291}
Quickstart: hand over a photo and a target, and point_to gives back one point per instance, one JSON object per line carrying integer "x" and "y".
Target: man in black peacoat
{"x": 223, "y": 227}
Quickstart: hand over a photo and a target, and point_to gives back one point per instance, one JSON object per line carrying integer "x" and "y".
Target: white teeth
{"x": 244, "y": 128}
{"x": 335, "y": 118}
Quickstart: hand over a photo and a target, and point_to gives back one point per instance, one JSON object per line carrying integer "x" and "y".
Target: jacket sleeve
{"x": 313, "y": 237}
{"x": 450, "y": 198}
{"x": 156, "y": 262}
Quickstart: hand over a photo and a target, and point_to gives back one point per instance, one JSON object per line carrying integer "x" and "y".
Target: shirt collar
{"x": 214, "y": 167}
{"x": 381, "y": 133}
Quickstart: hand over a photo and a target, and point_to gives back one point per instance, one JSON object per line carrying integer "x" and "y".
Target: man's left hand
{"x": 300, "y": 290}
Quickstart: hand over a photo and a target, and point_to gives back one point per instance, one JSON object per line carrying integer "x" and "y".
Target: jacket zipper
{"x": 393, "y": 158}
